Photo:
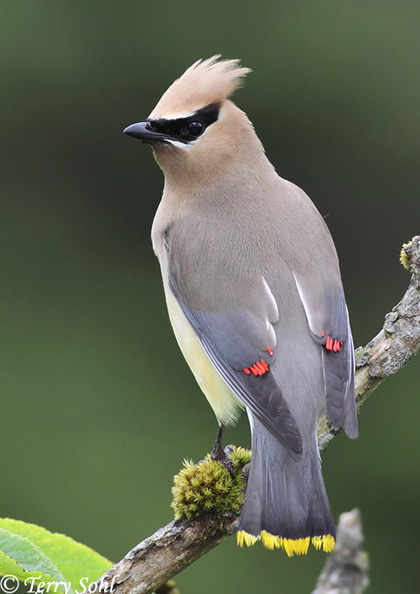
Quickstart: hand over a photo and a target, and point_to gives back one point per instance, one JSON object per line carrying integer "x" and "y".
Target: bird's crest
{"x": 205, "y": 82}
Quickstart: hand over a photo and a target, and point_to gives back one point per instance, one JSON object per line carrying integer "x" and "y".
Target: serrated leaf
{"x": 72, "y": 560}
{"x": 21, "y": 558}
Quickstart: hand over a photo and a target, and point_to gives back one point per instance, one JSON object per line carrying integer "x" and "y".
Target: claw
{"x": 222, "y": 456}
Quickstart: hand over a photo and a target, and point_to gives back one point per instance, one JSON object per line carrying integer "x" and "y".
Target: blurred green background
{"x": 98, "y": 406}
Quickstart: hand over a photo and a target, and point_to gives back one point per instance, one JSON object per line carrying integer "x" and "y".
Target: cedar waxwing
{"x": 255, "y": 298}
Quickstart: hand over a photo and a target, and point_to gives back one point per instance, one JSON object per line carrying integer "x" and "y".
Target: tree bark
{"x": 346, "y": 568}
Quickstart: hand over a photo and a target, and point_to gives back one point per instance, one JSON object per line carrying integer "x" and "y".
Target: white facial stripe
{"x": 174, "y": 116}
{"x": 178, "y": 144}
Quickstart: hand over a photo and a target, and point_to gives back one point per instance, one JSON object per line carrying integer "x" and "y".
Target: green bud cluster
{"x": 208, "y": 487}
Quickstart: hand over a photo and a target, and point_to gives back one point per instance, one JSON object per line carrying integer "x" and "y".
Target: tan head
{"x": 195, "y": 131}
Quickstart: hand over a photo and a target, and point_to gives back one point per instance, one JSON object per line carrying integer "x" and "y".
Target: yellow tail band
{"x": 243, "y": 537}
{"x": 291, "y": 546}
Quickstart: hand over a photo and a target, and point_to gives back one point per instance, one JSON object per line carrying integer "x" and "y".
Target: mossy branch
{"x": 171, "y": 549}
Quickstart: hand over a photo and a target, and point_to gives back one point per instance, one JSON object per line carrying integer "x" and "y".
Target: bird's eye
{"x": 195, "y": 128}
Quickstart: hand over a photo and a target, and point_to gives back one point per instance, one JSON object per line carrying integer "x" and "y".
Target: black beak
{"x": 143, "y": 131}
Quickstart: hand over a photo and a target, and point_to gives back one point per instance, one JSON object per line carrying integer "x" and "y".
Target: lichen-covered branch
{"x": 172, "y": 548}
{"x": 164, "y": 554}
{"x": 346, "y": 568}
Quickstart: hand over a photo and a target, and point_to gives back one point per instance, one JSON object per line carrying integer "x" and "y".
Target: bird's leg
{"x": 222, "y": 455}
{"x": 217, "y": 452}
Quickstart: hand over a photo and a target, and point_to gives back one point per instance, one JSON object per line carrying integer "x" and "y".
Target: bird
{"x": 255, "y": 298}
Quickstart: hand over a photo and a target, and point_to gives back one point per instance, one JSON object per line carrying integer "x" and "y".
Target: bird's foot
{"x": 222, "y": 455}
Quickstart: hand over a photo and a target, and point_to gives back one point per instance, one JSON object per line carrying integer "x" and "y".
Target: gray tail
{"x": 286, "y": 504}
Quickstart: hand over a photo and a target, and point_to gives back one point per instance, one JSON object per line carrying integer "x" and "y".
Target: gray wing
{"x": 328, "y": 320}
{"x": 241, "y": 344}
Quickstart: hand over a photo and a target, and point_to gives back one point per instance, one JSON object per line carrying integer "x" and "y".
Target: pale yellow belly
{"x": 223, "y": 401}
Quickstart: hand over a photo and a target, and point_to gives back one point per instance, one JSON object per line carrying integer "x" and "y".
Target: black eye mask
{"x": 186, "y": 129}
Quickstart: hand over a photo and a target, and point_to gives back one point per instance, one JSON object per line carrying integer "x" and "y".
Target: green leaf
{"x": 27, "y": 550}
{"x": 21, "y": 558}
